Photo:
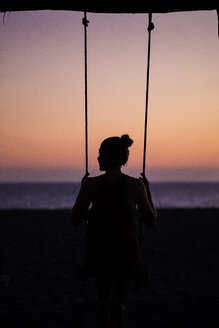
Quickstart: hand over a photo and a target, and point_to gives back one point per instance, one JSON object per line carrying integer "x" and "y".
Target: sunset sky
{"x": 42, "y": 94}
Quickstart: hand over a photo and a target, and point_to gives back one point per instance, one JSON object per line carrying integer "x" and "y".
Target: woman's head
{"x": 114, "y": 152}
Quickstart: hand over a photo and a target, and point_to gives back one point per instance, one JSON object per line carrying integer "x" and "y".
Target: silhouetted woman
{"x": 113, "y": 254}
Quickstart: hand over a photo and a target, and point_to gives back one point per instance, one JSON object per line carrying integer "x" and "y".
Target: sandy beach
{"x": 43, "y": 253}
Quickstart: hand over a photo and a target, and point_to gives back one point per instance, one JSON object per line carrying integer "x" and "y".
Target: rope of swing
{"x": 150, "y": 28}
{"x": 85, "y": 23}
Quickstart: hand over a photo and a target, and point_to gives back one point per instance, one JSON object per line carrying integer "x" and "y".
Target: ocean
{"x": 63, "y": 195}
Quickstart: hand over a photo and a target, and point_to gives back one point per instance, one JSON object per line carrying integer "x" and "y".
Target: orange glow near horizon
{"x": 42, "y": 89}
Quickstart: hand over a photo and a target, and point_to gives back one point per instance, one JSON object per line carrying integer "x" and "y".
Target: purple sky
{"x": 42, "y": 94}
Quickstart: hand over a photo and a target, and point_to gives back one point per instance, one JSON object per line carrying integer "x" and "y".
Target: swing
{"x": 85, "y": 22}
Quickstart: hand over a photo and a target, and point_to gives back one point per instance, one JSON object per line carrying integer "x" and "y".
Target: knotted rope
{"x": 150, "y": 28}
{"x": 85, "y": 23}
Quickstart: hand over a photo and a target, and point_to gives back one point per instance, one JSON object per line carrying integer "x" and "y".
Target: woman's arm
{"x": 147, "y": 187}
{"x": 145, "y": 204}
{"x": 82, "y": 203}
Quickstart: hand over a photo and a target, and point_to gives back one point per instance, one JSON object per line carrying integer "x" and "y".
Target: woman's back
{"x": 112, "y": 238}
{"x": 114, "y": 194}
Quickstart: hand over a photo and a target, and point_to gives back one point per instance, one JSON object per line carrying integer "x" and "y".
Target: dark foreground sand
{"x": 43, "y": 253}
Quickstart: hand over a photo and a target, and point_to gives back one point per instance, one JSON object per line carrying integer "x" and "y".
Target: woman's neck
{"x": 114, "y": 173}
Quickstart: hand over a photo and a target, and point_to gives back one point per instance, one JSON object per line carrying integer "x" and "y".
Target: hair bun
{"x": 126, "y": 141}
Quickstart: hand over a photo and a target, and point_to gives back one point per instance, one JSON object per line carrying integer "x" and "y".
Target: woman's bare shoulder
{"x": 95, "y": 180}
{"x": 135, "y": 182}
